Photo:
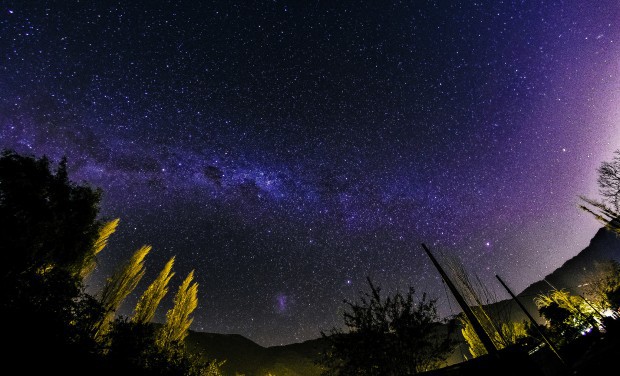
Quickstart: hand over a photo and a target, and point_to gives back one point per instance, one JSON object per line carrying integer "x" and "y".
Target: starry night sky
{"x": 287, "y": 150}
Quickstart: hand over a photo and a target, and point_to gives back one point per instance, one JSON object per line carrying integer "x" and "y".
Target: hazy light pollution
{"x": 287, "y": 150}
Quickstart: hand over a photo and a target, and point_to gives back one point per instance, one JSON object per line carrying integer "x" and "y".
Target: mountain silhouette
{"x": 244, "y": 357}
{"x": 574, "y": 273}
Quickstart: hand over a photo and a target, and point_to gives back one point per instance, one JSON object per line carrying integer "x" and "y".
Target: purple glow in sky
{"x": 290, "y": 151}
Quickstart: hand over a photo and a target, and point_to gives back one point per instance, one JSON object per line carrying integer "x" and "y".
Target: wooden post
{"x": 482, "y": 334}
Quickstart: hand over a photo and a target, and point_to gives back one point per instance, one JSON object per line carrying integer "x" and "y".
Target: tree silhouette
{"x": 609, "y": 181}
{"x": 608, "y": 211}
{"x": 604, "y": 285}
{"x": 47, "y": 229}
{"x": 398, "y": 335}
{"x": 134, "y": 349}
{"x": 50, "y": 239}
{"x": 44, "y": 218}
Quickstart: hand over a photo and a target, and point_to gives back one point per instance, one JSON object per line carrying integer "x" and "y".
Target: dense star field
{"x": 288, "y": 150}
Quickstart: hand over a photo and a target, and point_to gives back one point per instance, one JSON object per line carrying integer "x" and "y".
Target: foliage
{"x": 512, "y": 332}
{"x": 44, "y": 218}
{"x": 50, "y": 237}
{"x": 121, "y": 284}
{"x": 574, "y": 305}
{"x": 566, "y": 314}
{"x": 177, "y": 323}
{"x": 102, "y": 240}
{"x": 134, "y": 348}
{"x": 47, "y": 228}
{"x": 604, "y": 286}
{"x": 149, "y": 301}
{"x": 608, "y": 211}
{"x": 476, "y": 348}
{"x": 609, "y": 181}
{"x": 498, "y": 325}
{"x": 48, "y": 314}
{"x": 393, "y": 336}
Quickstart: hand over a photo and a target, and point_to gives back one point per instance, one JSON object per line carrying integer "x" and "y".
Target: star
{"x": 224, "y": 147}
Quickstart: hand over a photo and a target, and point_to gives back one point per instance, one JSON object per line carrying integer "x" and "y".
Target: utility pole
{"x": 482, "y": 334}
{"x": 534, "y": 323}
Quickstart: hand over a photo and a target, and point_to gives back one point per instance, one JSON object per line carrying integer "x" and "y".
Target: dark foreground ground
{"x": 593, "y": 354}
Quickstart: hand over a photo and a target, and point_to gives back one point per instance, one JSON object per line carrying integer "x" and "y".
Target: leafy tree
{"x": 512, "y": 332}
{"x": 45, "y": 219}
{"x": 608, "y": 211}
{"x": 102, "y": 240}
{"x": 566, "y": 314}
{"x": 51, "y": 318}
{"x": 609, "y": 181}
{"x": 50, "y": 238}
{"x": 121, "y": 284}
{"x": 393, "y": 336}
{"x": 178, "y": 319}
{"x": 47, "y": 229}
{"x": 604, "y": 285}
{"x": 149, "y": 301}
{"x": 134, "y": 349}
{"x": 475, "y": 346}
{"x": 130, "y": 344}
